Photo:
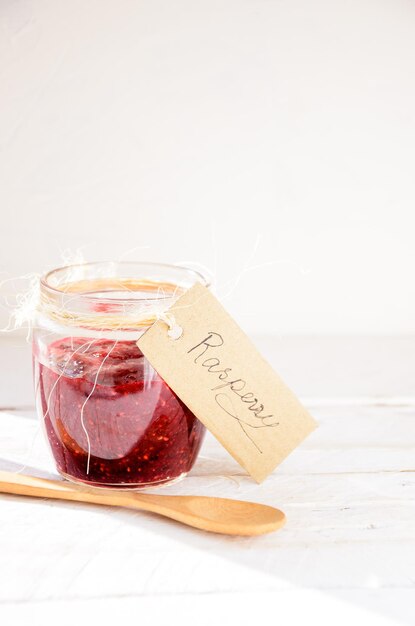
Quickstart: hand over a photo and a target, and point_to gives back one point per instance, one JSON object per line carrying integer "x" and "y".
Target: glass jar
{"x": 109, "y": 418}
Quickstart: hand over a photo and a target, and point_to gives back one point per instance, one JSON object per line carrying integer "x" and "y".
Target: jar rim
{"x": 59, "y": 289}
{"x": 106, "y": 295}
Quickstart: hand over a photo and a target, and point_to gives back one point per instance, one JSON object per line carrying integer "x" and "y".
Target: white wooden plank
{"x": 349, "y": 440}
{"x": 386, "y": 607}
{"x": 365, "y": 521}
{"x": 92, "y": 554}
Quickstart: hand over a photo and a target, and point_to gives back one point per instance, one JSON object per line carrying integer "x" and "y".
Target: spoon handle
{"x": 24, "y": 485}
{"x": 168, "y": 506}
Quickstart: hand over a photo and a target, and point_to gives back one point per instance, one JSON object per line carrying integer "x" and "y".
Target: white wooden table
{"x": 348, "y": 549}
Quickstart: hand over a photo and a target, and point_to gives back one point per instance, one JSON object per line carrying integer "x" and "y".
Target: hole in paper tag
{"x": 219, "y": 374}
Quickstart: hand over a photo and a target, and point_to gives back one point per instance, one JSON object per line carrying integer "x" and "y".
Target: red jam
{"x": 110, "y": 418}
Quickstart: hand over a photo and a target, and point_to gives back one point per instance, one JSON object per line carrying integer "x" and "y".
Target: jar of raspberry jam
{"x": 109, "y": 418}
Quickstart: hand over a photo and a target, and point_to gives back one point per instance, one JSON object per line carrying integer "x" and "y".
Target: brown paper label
{"x": 219, "y": 374}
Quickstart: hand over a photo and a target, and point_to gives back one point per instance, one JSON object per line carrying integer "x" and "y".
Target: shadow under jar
{"x": 109, "y": 418}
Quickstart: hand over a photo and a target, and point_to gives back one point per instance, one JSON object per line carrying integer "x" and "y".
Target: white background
{"x": 236, "y": 133}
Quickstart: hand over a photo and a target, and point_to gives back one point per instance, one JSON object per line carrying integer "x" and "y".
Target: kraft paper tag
{"x": 218, "y": 373}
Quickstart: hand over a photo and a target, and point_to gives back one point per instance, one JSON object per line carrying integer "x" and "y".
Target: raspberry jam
{"x": 110, "y": 419}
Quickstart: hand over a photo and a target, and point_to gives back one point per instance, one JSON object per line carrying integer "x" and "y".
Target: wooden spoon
{"x": 218, "y": 515}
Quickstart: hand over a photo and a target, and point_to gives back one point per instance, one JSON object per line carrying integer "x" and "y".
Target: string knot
{"x": 174, "y": 330}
